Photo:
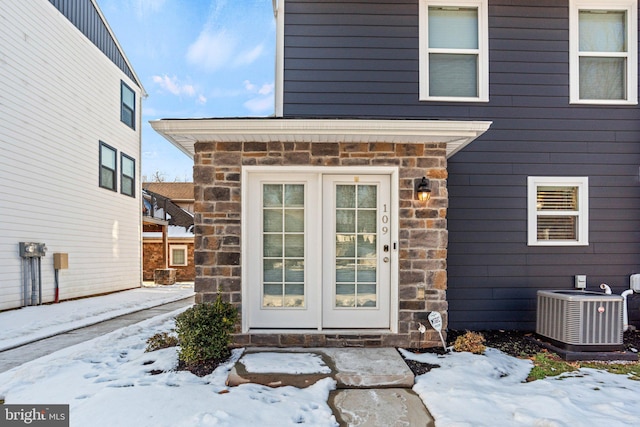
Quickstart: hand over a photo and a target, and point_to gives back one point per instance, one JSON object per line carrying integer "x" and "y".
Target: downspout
{"x": 625, "y": 315}
{"x": 278, "y": 13}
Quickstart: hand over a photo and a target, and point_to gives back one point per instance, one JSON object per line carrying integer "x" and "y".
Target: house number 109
{"x": 385, "y": 220}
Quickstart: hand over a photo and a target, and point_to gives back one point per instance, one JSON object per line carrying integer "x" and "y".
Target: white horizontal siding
{"x": 60, "y": 96}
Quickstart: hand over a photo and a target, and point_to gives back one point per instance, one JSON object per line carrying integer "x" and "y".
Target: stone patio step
{"x": 379, "y": 408}
{"x": 373, "y": 384}
{"x": 350, "y": 367}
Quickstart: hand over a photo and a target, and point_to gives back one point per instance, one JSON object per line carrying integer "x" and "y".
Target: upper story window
{"x": 603, "y": 48}
{"x": 128, "y": 178}
{"x": 127, "y": 105}
{"x": 108, "y": 167}
{"x": 558, "y": 211}
{"x": 454, "y": 45}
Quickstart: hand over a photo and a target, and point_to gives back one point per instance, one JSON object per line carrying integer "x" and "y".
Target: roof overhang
{"x": 184, "y": 133}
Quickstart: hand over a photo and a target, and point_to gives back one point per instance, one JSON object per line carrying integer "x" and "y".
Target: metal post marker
{"x": 436, "y": 322}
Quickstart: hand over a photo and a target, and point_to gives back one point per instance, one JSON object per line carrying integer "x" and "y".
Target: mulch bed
{"x": 514, "y": 343}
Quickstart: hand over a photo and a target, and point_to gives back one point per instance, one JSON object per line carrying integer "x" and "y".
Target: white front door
{"x": 318, "y": 251}
{"x": 356, "y": 251}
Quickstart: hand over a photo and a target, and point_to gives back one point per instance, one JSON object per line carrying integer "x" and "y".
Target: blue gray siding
{"x": 85, "y": 17}
{"x": 360, "y": 59}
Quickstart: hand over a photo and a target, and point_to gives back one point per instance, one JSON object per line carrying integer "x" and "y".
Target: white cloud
{"x": 266, "y": 89}
{"x": 174, "y": 86}
{"x": 249, "y": 56}
{"x": 250, "y": 87}
{"x": 144, "y": 7}
{"x": 212, "y": 50}
{"x": 201, "y": 99}
{"x": 260, "y": 104}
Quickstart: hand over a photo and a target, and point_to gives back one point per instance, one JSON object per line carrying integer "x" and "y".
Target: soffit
{"x": 184, "y": 133}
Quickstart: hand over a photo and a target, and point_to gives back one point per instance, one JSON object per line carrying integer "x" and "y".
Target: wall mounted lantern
{"x": 423, "y": 190}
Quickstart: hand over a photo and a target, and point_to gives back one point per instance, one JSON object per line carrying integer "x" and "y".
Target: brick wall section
{"x": 422, "y": 235}
{"x": 152, "y": 259}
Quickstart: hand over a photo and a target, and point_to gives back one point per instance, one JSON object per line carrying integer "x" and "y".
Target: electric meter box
{"x": 635, "y": 282}
{"x": 32, "y": 249}
{"x": 60, "y": 261}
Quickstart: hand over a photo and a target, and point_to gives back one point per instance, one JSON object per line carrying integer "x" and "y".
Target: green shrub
{"x": 161, "y": 340}
{"x": 204, "y": 331}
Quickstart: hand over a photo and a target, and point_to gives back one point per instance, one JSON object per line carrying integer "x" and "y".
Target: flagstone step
{"x": 350, "y": 367}
{"x": 379, "y": 408}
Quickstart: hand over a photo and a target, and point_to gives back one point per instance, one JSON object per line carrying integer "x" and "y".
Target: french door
{"x": 318, "y": 251}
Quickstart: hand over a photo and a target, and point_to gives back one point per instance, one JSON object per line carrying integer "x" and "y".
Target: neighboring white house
{"x": 69, "y": 152}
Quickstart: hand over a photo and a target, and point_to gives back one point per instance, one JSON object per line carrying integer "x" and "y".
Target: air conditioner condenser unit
{"x": 580, "y": 320}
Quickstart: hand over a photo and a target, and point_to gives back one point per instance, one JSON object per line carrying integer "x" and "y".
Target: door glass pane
{"x": 272, "y": 220}
{"x": 345, "y": 221}
{"x": 453, "y": 75}
{"x": 272, "y": 295}
{"x": 283, "y": 240}
{"x": 345, "y": 245}
{"x": 294, "y": 195}
{"x": 345, "y": 295}
{"x": 272, "y": 245}
{"x": 294, "y": 295}
{"x": 453, "y": 28}
{"x": 345, "y": 196}
{"x": 367, "y": 196}
{"x": 366, "y": 295}
{"x": 294, "y": 220}
{"x": 345, "y": 270}
{"x": 272, "y": 195}
{"x": 602, "y": 31}
{"x": 356, "y": 245}
{"x": 367, "y": 221}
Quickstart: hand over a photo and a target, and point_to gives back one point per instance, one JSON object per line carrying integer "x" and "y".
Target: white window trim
{"x": 483, "y": 49}
{"x": 583, "y": 209}
{"x": 186, "y": 255}
{"x": 631, "y": 7}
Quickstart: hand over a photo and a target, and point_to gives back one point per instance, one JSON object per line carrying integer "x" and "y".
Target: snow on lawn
{"x": 488, "y": 390}
{"x": 33, "y": 323}
{"x": 111, "y": 381}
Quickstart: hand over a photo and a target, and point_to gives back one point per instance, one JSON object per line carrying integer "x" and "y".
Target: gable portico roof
{"x": 184, "y": 133}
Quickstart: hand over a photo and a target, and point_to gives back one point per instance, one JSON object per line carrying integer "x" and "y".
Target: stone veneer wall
{"x": 422, "y": 235}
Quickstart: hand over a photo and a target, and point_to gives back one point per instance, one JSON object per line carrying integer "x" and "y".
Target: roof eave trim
{"x": 185, "y": 133}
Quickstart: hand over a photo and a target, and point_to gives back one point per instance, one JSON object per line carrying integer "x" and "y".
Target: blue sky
{"x": 195, "y": 58}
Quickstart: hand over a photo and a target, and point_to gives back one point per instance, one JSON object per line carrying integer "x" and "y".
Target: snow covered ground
{"x": 32, "y": 323}
{"x": 111, "y": 381}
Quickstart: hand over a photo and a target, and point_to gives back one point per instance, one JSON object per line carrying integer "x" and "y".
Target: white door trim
{"x": 394, "y": 175}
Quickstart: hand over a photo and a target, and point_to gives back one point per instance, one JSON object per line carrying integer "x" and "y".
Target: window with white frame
{"x": 178, "y": 255}
{"x": 603, "y": 51}
{"x": 558, "y": 211}
{"x": 454, "y": 45}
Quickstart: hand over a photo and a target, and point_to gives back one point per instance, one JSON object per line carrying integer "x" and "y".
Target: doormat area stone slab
{"x": 350, "y": 367}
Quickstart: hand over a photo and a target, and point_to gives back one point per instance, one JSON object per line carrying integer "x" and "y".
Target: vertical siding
{"x": 60, "y": 97}
{"x": 83, "y": 14}
{"x": 360, "y": 59}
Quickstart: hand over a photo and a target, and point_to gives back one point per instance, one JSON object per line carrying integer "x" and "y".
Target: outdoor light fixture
{"x": 423, "y": 190}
